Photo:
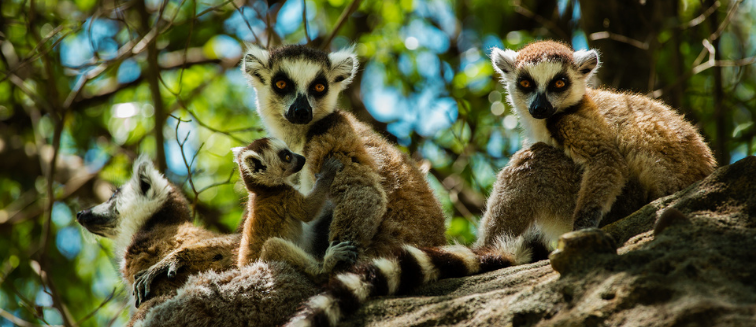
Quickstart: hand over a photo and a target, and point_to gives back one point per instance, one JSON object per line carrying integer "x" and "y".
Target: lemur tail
{"x": 410, "y": 268}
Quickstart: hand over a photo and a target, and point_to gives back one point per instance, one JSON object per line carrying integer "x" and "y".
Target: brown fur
{"x": 619, "y": 152}
{"x": 279, "y": 212}
{"x": 544, "y": 51}
{"x": 381, "y": 199}
{"x": 169, "y": 240}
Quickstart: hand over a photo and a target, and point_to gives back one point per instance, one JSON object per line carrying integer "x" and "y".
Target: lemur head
{"x": 266, "y": 162}
{"x": 297, "y": 83}
{"x": 545, "y": 77}
{"x": 133, "y": 204}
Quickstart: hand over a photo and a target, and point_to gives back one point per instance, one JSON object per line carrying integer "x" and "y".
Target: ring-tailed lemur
{"x": 155, "y": 242}
{"x": 619, "y": 143}
{"x": 381, "y": 200}
{"x": 276, "y": 210}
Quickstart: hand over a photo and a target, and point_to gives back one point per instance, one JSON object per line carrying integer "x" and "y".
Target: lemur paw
{"x": 144, "y": 278}
{"x": 587, "y": 219}
{"x": 330, "y": 167}
{"x": 339, "y": 254}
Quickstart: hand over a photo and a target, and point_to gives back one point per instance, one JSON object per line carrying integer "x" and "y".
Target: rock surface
{"x": 698, "y": 270}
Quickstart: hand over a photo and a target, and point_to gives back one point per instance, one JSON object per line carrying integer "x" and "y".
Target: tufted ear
{"x": 143, "y": 174}
{"x": 236, "y": 152}
{"x": 587, "y": 61}
{"x": 251, "y": 161}
{"x": 255, "y": 65}
{"x": 503, "y": 61}
{"x": 343, "y": 66}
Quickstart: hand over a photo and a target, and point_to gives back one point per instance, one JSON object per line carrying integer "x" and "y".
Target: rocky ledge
{"x": 688, "y": 259}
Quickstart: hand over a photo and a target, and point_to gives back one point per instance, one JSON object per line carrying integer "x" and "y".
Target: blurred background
{"x": 88, "y": 84}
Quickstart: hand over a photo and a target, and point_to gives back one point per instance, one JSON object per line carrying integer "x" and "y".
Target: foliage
{"x": 90, "y": 84}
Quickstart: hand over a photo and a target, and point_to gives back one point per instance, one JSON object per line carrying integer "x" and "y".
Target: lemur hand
{"x": 144, "y": 278}
{"x": 330, "y": 167}
{"x": 339, "y": 254}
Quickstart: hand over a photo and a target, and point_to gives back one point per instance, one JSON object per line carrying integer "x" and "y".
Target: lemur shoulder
{"x": 381, "y": 200}
{"x": 156, "y": 243}
{"x": 615, "y": 138}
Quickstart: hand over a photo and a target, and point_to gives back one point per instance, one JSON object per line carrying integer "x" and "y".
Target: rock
{"x": 697, "y": 269}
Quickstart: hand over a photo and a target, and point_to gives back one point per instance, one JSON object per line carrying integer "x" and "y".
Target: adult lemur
{"x": 602, "y": 150}
{"x": 156, "y": 243}
{"x": 381, "y": 200}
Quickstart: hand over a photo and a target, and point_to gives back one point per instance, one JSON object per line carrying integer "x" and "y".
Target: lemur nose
{"x": 300, "y": 111}
{"x": 81, "y": 213}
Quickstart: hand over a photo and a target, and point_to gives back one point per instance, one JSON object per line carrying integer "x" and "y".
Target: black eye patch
{"x": 560, "y": 83}
{"x": 282, "y": 84}
{"x": 526, "y": 83}
{"x": 319, "y": 86}
{"x": 283, "y": 154}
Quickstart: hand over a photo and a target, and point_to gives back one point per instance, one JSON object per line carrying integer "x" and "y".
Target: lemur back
{"x": 381, "y": 200}
{"x": 616, "y": 140}
{"x": 156, "y": 244}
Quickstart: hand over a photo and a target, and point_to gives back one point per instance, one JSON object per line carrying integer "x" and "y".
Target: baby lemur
{"x": 275, "y": 209}
{"x": 601, "y": 149}
{"x": 156, "y": 244}
{"x": 381, "y": 200}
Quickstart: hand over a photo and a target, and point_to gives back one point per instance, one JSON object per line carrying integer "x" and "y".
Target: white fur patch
{"x": 430, "y": 272}
{"x": 344, "y": 63}
{"x": 503, "y": 62}
{"x": 506, "y": 245}
{"x": 358, "y": 287}
{"x": 391, "y": 271}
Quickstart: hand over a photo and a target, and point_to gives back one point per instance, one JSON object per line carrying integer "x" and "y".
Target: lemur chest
{"x": 535, "y": 131}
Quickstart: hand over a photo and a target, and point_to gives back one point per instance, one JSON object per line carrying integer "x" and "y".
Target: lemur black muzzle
{"x": 300, "y": 112}
{"x": 541, "y": 108}
{"x": 92, "y": 222}
{"x": 300, "y": 160}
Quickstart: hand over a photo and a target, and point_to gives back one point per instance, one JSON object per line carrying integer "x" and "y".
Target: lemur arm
{"x": 588, "y": 142}
{"x": 215, "y": 253}
{"x": 359, "y": 203}
{"x": 306, "y": 208}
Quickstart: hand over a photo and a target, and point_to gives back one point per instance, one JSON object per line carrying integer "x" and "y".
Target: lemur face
{"x": 267, "y": 162}
{"x": 130, "y": 205}
{"x": 544, "y": 78}
{"x": 298, "y": 84}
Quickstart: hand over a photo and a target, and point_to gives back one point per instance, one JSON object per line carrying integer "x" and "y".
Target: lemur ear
{"x": 143, "y": 169}
{"x": 255, "y": 65}
{"x": 236, "y": 152}
{"x": 252, "y": 162}
{"x": 503, "y": 61}
{"x": 587, "y": 61}
{"x": 343, "y": 65}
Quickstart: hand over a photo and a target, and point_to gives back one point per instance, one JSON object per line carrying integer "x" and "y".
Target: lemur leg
{"x": 278, "y": 249}
{"x": 539, "y": 185}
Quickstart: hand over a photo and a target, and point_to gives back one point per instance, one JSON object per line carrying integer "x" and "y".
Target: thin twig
{"x": 342, "y": 19}
{"x": 91, "y": 314}
{"x": 701, "y": 18}
{"x": 244, "y": 18}
{"x": 619, "y": 38}
{"x": 520, "y": 9}
{"x": 304, "y": 21}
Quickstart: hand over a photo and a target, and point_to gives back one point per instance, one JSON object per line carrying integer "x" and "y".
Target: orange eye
{"x": 281, "y": 84}
{"x": 525, "y": 83}
{"x": 319, "y": 87}
{"x": 559, "y": 84}
{"x": 288, "y": 158}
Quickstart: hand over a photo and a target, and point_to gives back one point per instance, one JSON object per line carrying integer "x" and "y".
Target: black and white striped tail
{"x": 411, "y": 268}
